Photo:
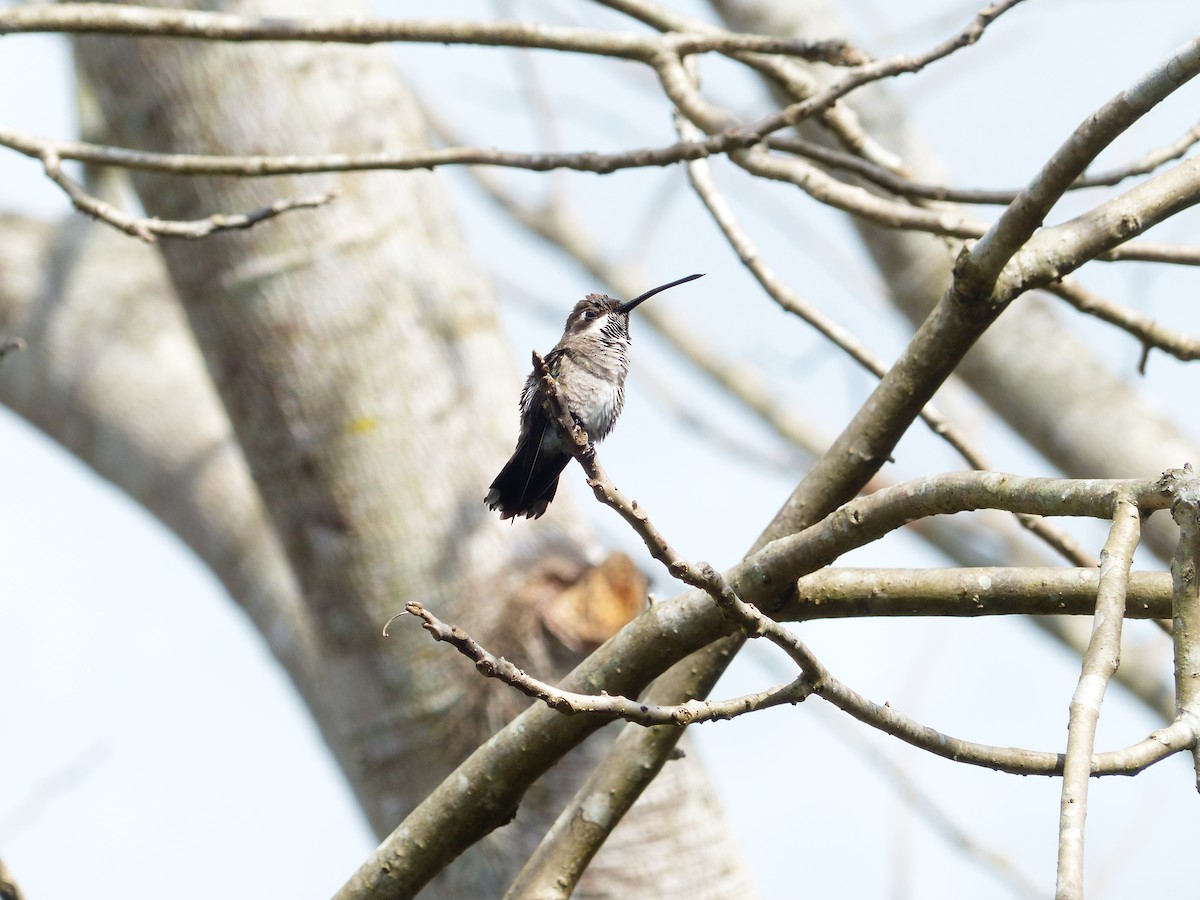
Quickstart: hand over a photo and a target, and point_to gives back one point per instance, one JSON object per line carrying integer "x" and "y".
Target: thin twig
{"x": 607, "y": 705}
{"x": 136, "y": 21}
{"x": 1149, "y": 333}
{"x": 150, "y": 229}
{"x": 259, "y": 166}
{"x": 700, "y": 176}
{"x": 818, "y": 184}
{"x": 1152, "y": 160}
{"x": 1152, "y": 251}
{"x": 872, "y": 72}
{"x": 1058, "y": 539}
{"x": 914, "y": 190}
{"x": 1100, "y": 661}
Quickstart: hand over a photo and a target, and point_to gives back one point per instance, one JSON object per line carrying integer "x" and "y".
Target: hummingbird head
{"x": 606, "y": 317}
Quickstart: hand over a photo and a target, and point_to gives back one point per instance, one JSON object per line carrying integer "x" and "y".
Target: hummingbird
{"x": 589, "y": 362}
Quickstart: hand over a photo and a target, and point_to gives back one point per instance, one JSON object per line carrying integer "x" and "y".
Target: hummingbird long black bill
{"x": 629, "y": 305}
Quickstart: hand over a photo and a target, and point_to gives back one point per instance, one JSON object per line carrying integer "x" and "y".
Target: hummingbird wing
{"x": 529, "y": 480}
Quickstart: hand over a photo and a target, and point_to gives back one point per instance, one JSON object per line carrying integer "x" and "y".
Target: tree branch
{"x": 1100, "y": 661}
{"x": 492, "y": 780}
{"x": 916, "y": 190}
{"x": 149, "y": 229}
{"x": 700, "y": 176}
{"x": 604, "y": 705}
{"x": 876, "y": 71}
{"x": 978, "y": 270}
{"x": 1056, "y": 251}
{"x": 1149, "y": 251}
{"x": 260, "y": 166}
{"x": 621, "y": 777}
{"x": 851, "y": 593}
{"x": 1149, "y": 333}
{"x": 136, "y": 21}
{"x": 1185, "y": 572}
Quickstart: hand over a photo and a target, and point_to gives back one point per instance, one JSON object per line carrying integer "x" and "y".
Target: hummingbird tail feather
{"x": 528, "y": 481}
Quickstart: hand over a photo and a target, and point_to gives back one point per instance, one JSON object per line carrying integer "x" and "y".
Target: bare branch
{"x": 1152, "y": 160}
{"x": 754, "y": 624}
{"x": 135, "y": 21}
{"x": 1141, "y": 664}
{"x": 795, "y": 81}
{"x": 491, "y": 781}
{"x": 1099, "y": 663}
{"x": 1128, "y": 761}
{"x": 1054, "y": 252}
{"x": 149, "y": 229}
{"x": 627, "y": 769}
{"x": 915, "y": 190}
{"x": 605, "y": 705}
{"x": 978, "y": 270}
{"x": 1036, "y": 591}
{"x": 876, "y": 71}
{"x": 1149, "y": 251}
{"x": 835, "y": 593}
{"x": 858, "y": 201}
{"x": 701, "y": 179}
{"x": 1185, "y": 567}
{"x": 812, "y": 180}
{"x": 816, "y": 679}
{"x": 657, "y": 51}
{"x": 1149, "y": 333}
{"x": 1180, "y": 735}
{"x": 960, "y": 318}
{"x": 259, "y": 166}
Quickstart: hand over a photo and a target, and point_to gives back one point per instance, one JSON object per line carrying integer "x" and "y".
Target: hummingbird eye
{"x": 589, "y": 314}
